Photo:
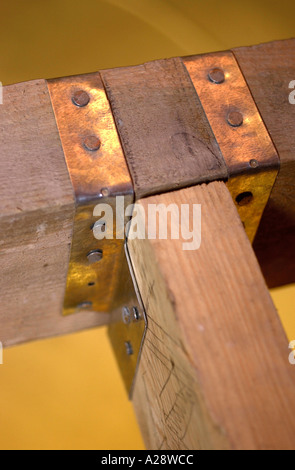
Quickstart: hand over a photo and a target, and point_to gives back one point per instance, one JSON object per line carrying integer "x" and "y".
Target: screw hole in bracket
{"x": 244, "y": 198}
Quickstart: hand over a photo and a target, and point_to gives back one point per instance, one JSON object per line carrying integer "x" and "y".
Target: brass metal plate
{"x": 128, "y": 326}
{"x": 247, "y": 148}
{"x": 98, "y": 176}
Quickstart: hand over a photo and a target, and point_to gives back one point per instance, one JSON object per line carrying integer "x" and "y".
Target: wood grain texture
{"x": 214, "y": 372}
{"x": 36, "y": 219}
{"x": 268, "y": 70}
{"x": 165, "y": 135}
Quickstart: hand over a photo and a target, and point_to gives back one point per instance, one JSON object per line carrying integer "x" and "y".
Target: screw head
{"x": 253, "y": 163}
{"x": 235, "y": 118}
{"x": 80, "y": 98}
{"x": 126, "y": 315}
{"x": 84, "y": 305}
{"x": 136, "y": 314}
{"x": 105, "y": 192}
{"x": 94, "y": 256}
{"x": 216, "y": 75}
{"x": 129, "y": 348}
{"x": 92, "y": 143}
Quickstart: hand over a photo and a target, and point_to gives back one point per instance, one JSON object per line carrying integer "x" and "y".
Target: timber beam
{"x": 170, "y": 141}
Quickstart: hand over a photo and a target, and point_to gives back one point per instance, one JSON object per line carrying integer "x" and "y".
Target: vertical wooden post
{"x": 214, "y": 372}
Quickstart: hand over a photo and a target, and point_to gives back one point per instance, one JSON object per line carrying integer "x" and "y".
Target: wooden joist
{"x": 214, "y": 371}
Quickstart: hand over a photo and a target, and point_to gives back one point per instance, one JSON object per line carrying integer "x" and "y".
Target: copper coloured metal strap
{"x": 244, "y": 141}
{"x": 99, "y": 276}
{"x": 99, "y": 173}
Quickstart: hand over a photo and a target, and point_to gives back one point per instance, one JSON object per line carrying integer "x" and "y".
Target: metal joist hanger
{"x": 197, "y": 122}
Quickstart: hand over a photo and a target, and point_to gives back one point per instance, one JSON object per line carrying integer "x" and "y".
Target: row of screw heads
{"x": 81, "y": 99}
{"x": 129, "y": 316}
{"x": 234, "y": 119}
{"x": 93, "y": 143}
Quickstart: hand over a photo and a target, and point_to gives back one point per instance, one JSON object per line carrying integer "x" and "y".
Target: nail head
{"x": 129, "y": 349}
{"x": 80, "y": 98}
{"x": 216, "y": 75}
{"x": 94, "y": 256}
{"x": 126, "y": 315}
{"x": 85, "y": 304}
{"x": 235, "y": 118}
{"x": 136, "y": 314}
{"x": 105, "y": 192}
{"x": 253, "y": 163}
{"x": 92, "y": 143}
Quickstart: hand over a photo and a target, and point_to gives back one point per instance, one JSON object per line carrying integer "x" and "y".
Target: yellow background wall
{"x": 66, "y": 393}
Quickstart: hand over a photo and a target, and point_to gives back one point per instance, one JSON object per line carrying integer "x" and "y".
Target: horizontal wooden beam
{"x": 36, "y": 220}
{"x": 38, "y": 206}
